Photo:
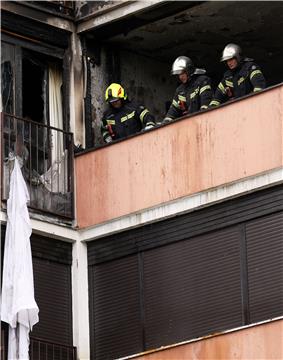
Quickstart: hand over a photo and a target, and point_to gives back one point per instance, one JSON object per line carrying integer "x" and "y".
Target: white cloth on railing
{"x": 55, "y": 179}
{"x": 18, "y": 306}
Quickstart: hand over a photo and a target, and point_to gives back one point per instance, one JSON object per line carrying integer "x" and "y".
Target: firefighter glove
{"x": 148, "y": 126}
{"x": 108, "y": 139}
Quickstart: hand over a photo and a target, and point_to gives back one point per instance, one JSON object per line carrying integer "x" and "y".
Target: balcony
{"x": 251, "y": 342}
{"x": 188, "y": 156}
{"x": 45, "y": 155}
{"x": 59, "y": 8}
{"x": 41, "y": 349}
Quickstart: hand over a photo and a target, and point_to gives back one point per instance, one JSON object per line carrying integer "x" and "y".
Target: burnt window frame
{"x": 23, "y": 46}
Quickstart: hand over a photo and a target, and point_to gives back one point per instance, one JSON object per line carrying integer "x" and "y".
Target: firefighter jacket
{"x": 238, "y": 82}
{"x": 193, "y": 96}
{"x": 127, "y": 120}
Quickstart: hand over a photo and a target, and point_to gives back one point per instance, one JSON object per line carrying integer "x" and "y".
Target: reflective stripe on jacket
{"x": 125, "y": 121}
{"x": 191, "y": 97}
{"x": 239, "y": 82}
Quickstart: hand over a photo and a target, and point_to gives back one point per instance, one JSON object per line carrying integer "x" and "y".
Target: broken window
{"x": 31, "y": 98}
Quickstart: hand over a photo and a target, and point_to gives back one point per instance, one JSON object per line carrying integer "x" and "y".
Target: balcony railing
{"x": 188, "y": 156}
{"x": 59, "y": 8}
{"x": 41, "y": 349}
{"x": 45, "y": 155}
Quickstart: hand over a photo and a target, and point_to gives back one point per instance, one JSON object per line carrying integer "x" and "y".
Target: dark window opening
{"x": 7, "y": 86}
{"x": 34, "y": 90}
{"x": 7, "y": 77}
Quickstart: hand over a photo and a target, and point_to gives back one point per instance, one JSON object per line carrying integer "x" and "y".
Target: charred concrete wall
{"x": 87, "y": 8}
{"x": 145, "y": 80}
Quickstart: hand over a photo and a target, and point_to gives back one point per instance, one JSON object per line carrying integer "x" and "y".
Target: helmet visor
{"x": 113, "y": 99}
{"x": 227, "y": 57}
{"x": 177, "y": 72}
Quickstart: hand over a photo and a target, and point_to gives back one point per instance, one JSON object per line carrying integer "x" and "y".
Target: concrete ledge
{"x": 184, "y": 205}
{"x": 160, "y": 212}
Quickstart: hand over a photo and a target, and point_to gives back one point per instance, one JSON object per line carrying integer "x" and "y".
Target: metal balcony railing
{"x": 45, "y": 155}
{"x": 60, "y": 8}
{"x": 41, "y": 349}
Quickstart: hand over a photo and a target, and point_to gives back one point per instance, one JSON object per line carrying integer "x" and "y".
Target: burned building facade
{"x": 152, "y": 243}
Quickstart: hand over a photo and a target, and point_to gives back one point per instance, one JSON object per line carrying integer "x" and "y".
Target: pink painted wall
{"x": 262, "y": 342}
{"x": 185, "y": 157}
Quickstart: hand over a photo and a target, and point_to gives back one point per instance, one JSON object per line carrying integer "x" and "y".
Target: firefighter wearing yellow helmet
{"x": 242, "y": 77}
{"x": 124, "y": 117}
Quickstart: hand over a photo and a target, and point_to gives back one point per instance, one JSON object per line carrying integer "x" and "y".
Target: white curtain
{"x": 55, "y": 109}
{"x": 55, "y": 178}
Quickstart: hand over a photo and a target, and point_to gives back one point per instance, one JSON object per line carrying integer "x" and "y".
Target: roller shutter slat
{"x": 265, "y": 266}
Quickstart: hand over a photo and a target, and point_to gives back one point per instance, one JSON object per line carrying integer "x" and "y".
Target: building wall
{"x": 258, "y": 342}
{"x": 188, "y": 156}
{"x": 193, "y": 275}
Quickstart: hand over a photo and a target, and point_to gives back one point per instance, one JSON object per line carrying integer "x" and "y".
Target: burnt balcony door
{"x": 32, "y": 102}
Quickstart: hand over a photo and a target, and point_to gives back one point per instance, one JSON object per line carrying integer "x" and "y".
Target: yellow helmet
{"x": 115, "y": 92}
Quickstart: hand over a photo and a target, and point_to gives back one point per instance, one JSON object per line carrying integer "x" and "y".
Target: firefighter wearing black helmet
{"x": 242, "y": 77}
{"x": 193, "y": 94}
{"x": 124, "y": 117}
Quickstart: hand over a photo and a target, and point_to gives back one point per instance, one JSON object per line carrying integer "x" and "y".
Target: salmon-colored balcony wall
{"x": 261, "y": 342}
{"x": 200, "y": 152}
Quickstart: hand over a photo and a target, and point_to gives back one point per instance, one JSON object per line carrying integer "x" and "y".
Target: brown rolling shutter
{"x": 265, "y": 266}
{"x": 186, "y": 226}
{"x": 52, "y": 261}
{"x": 192, "y": 275}
{"x": 53, "y": 293}
{"x": 192, "y": 288}
{"x": 115, "y": 309}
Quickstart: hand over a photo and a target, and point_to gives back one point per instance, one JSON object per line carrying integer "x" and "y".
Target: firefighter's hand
{"x": 108, "y": 139}
{"x": 148, "y": 126}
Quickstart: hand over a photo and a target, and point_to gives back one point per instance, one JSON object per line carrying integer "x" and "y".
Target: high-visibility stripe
{"x": 182, "y": 98}
{"x": 193, "y": 94}
{"x": 204, "y": 107}
{"x": 241, "y": 80}
{"x": 206, "y": 87}
{"x": 257, "y": 89}
{"x": 221, "y": 88}
{"x": 150, "y": 123}
{"x": 214, "y": 102}
{"x": 105, "y": 133}
{"x": 110, "y": 122}
{"x": 176, "y": 104}
{"x": 127, "y": 117}
{"x": 229, "y": 83}
{"x": 145, "y": 111}
{"x": 255, "y": 72}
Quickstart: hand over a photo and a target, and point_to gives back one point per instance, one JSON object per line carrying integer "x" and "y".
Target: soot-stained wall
{"x": 145, "y": 80}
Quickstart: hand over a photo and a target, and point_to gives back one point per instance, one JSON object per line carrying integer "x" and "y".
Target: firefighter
{"x": 193, "y": 94}
{"x": 242, "y": 77}
{"x": 124, "y": 117}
